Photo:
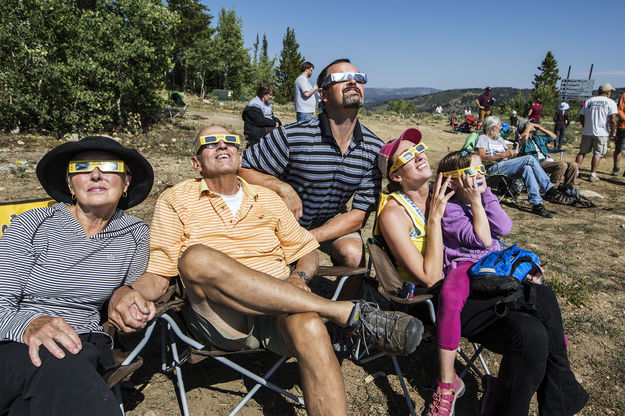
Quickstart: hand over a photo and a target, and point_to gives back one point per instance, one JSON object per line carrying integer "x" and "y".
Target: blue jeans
{"x": 559, "y": 131}
{"x": 303, "y": 116}
{"x": 528, "y": 168}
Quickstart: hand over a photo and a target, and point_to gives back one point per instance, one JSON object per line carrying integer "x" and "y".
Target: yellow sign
{"x": 10, "y": 210}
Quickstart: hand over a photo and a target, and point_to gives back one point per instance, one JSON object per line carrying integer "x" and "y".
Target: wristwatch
{"x": 303, "y": 275}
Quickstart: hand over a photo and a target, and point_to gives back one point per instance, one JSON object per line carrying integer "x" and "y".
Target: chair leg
{"x": 173, "y": 329}
{"x": 403, "y": 385}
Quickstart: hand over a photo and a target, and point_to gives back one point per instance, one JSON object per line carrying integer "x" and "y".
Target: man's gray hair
{"x": 489, "y": 123}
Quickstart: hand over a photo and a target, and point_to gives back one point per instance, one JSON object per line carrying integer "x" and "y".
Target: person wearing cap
{"x": 484, "y": 102}
{"x": 317, "y": 166}
{"x": 232, "y": 244}
{"x": 619, "y": 144}
{"x": 598, "y": 119}
{"x": 561, "y": 121}
{"x": 533, "y": 140}
{"x": 501, "y": 160}
{"x": 514, "y": 120}
{"x": 531, "y": 341}
{"x": 58, "y": 265}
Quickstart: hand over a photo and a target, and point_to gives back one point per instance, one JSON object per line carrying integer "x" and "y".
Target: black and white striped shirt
{"x": 48, "y": 267}
{"x": 307, "y": 157}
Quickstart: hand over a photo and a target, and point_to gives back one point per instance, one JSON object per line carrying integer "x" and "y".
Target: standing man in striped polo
{"x": 232, "y": 244}
{"x": 316, "y": 166}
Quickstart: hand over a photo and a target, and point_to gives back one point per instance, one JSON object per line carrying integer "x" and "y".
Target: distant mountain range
{"x": 453, "y": 101}
{"x": 376, "y": 95}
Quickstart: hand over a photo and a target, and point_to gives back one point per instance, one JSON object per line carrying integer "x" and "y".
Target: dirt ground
{"x": 581, "y": 249}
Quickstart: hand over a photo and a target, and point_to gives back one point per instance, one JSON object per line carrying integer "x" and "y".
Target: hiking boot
{"x": 443, "y": 404}
{"x": 393, "y": 332}
{"x": 615, "y": 171}
{"x": 593, "y": 179}
{"x": 539, "y": 209}
{"x": 557, "y": 197}
{"x": 487, "y": 402}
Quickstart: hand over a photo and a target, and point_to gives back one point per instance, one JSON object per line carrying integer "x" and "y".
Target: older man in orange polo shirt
{"x": 232, "y": 244}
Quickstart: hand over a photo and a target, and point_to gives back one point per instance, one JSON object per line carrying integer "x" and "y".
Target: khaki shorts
{"x": 263, "y": 332}
{"x": 598, "y": 144}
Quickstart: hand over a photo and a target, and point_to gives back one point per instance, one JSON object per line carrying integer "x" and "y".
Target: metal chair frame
{"x": 172, "y": 360}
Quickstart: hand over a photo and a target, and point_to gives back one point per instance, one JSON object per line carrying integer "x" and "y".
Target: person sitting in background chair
{"x": 493, "y": 150}
{"x": 258, "y": 115}
{"x": 533, "y": 140}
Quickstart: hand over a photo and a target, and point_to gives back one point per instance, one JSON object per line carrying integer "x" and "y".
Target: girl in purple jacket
{"x": 472, "y": 222}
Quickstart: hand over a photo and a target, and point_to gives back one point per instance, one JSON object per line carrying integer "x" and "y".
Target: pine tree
{"x": 193, "y": 28}
{"x": 545, "y": 84}
{"x": 549, "y": 74}
{"x": 231, "y": 56}
{"x": 289, "y": 67}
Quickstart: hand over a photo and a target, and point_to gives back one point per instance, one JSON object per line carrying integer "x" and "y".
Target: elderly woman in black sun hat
{"x": 58, "y": 266}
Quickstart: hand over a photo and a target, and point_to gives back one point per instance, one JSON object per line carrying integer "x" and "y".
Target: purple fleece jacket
{"x": 459, "y": 239}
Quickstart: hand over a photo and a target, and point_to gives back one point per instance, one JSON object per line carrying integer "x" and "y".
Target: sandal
{"x": 443, "y": 404}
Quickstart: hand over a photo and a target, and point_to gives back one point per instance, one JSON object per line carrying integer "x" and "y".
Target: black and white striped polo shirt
{"x": 48, "y": 267}
{"x": 306, "y": 156}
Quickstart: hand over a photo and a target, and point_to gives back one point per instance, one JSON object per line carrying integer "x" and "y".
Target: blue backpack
{"x": 503, "y": 271}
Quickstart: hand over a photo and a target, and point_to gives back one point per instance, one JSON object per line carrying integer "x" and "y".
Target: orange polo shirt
{"x": 264, "y": 235}
{"x": 620, "y": 122}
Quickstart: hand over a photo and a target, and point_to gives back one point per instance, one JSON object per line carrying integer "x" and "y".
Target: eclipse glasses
{"x": 470, "y": 171}
{"x": 344, "y": 76}
{"x": 407, "y": 156}
{"x": 84, "y": 166}
{"x": 213, "y": 140}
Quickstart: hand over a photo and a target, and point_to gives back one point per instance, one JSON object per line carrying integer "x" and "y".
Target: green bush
{"x": 80, "y": 66}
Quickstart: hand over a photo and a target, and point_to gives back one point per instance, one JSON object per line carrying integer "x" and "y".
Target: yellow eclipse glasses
{"x": 470, "y": 171}
{"x": 213, "y": 140}
{"x": 85, "y": 166}
{"x": 407, "y": 156}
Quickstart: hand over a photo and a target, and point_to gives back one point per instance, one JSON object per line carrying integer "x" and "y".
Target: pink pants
{"x": 451, "y": 300}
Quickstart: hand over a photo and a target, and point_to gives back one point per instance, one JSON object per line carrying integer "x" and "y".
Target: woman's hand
{"x": 438, "y": 199}
{"x": 50, "y": 331}
{"x": 129, "y": 310}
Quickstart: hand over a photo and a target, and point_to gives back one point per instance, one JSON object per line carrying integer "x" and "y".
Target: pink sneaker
{"x": 443, "y": 404}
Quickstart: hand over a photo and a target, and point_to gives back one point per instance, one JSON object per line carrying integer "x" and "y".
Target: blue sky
{"x": 446, "y": 44}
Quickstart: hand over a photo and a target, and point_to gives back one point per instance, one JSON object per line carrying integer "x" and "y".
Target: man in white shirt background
{"x": 305, "y": 102}
{"x": 598, "y": 118}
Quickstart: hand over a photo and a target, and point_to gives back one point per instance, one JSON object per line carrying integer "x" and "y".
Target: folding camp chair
{"x": 9, "y": 210}
{"x": 388, "y": 283}
{"x": 193, "y": 351}
{"x": 176, "y": 107}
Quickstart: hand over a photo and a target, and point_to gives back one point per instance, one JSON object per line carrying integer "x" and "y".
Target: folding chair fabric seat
{"x": 389, "y": 283}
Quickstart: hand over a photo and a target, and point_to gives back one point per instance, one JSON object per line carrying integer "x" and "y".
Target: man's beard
{"x": 352, "y": 100}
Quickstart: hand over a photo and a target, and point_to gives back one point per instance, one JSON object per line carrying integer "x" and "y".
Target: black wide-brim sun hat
{"x": 52, "y": 169}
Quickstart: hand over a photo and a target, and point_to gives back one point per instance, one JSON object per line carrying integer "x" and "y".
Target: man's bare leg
{"x": 348, "y": 252}
{"x": 322, "y": 381}
{"x": 579, "y": 159}
{"x": 594, "y": 164}
{"x": 211, "y": 275}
